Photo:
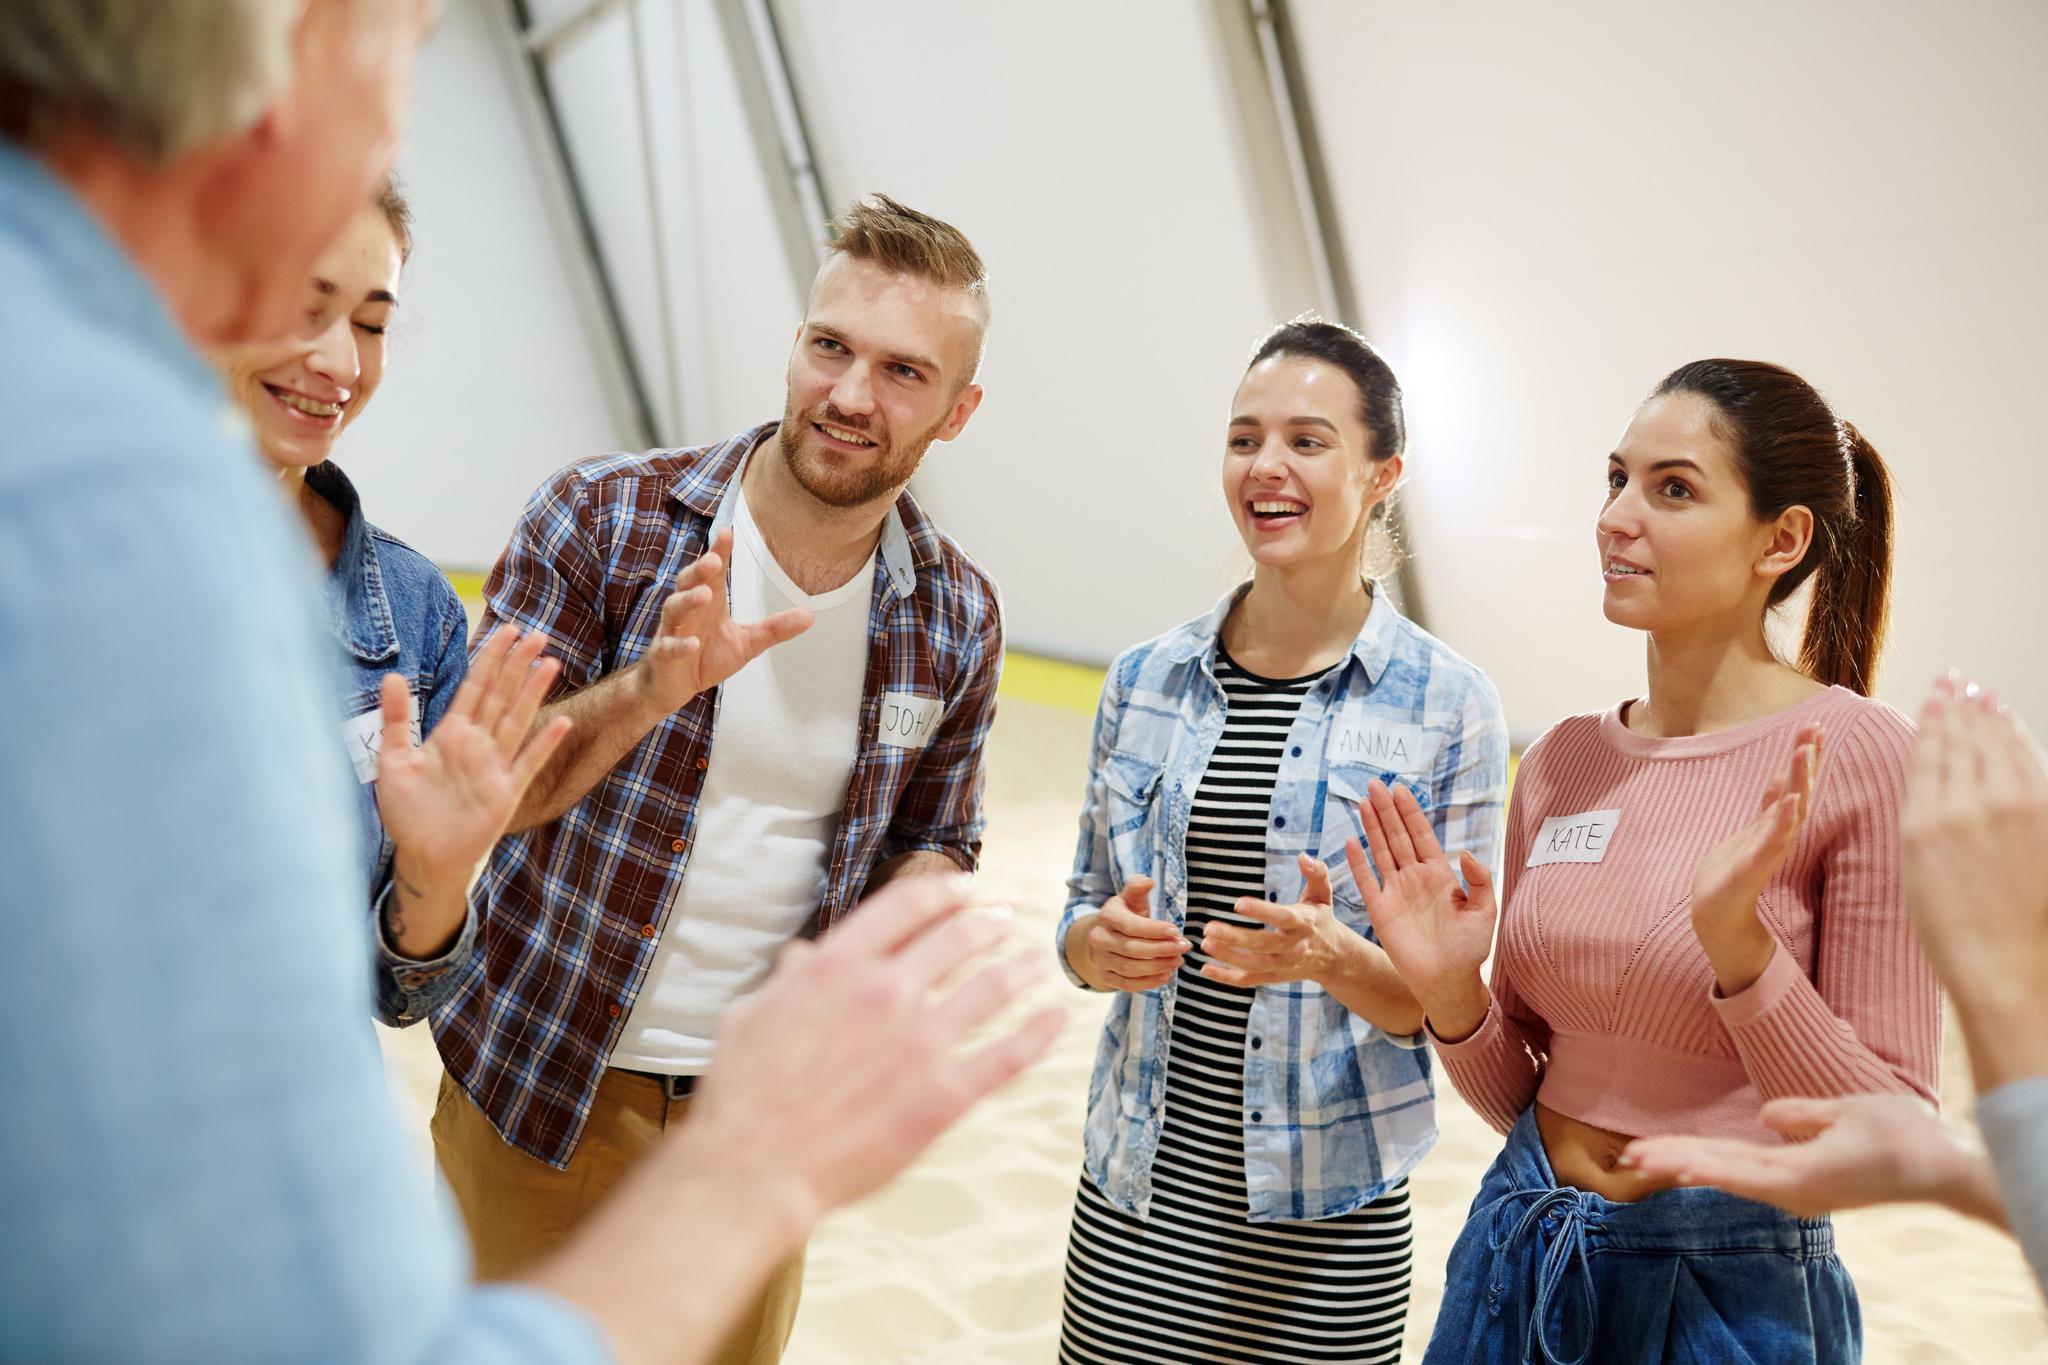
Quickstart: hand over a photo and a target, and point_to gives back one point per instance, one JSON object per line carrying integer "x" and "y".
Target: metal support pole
{"x": 537, "y": 48}
{"x": 1294, "y": 213}
{"x": 776, "y": 126}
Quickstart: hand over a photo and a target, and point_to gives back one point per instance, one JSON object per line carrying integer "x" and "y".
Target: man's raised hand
{"x": 847, "y": 1064}
{"x": 698, "y": 644}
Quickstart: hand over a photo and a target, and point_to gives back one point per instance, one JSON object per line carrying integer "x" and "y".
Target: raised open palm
{"x": 1728, "y": 880}
{"x": 1434, "y": 929}
{"x": 445, "y": 802}
{"x": 699, "y": 645}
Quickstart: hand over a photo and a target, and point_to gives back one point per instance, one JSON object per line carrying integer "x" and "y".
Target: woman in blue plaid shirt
{"x": 1262, "y": 1089}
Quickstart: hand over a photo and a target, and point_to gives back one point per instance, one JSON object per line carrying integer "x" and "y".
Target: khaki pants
{"x": 519, "y": 1209}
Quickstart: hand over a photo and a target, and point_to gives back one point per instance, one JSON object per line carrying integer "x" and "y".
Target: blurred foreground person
{"x": 177, "y": 841}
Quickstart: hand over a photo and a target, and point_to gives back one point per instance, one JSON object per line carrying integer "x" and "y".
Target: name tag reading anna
{"x": 907, "y": 720}
{"x": 1581, "y": 838}
{"x": 1384, "y": 744}
{"x": 364, "y": 736}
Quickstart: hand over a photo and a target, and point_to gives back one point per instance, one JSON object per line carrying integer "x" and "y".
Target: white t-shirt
{"x": 782, "y": 750}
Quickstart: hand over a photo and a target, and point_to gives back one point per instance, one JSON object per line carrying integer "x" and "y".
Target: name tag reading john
{"x": 364, "y": 736}
{"x": 1581, "y": 838}
{"x": 907, "y": 720}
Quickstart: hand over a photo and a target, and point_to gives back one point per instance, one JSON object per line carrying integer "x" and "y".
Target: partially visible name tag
{"x": 364, "y": 736}
{"x": 907, "y": 720}
{"x": 1581, "y": 838}
{"x": 1384, "y": 744}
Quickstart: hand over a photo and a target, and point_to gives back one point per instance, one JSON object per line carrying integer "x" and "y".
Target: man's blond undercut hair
{"x": 899, "y": 239}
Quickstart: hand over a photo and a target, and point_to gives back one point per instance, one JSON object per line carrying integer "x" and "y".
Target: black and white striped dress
{"x": 1199, "y": 1282}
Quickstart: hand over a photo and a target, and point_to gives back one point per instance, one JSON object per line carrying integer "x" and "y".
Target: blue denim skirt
{"x": 1550, "y": 1275}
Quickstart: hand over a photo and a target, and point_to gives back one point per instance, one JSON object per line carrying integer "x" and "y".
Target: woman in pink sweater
{"x": 1702, "y": 906}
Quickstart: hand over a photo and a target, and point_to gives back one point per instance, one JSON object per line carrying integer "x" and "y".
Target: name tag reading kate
{"x": 364, "y": 736}
{"x": 907, "y": 720}
{"x": 1581, "y": 838}
{"x": 1384, "y": 744}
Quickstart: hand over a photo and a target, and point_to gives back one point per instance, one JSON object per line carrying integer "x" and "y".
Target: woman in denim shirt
{"x": 430, "y": 810}
{"x": 1262, "y": 1089}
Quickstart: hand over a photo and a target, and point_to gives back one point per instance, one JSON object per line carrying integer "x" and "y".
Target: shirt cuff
{"x": 412, "y": 988}
{"x": 1483, "y": 1039}
{"x": 1059, "y": 941}
{"x": 1780, "y": 976}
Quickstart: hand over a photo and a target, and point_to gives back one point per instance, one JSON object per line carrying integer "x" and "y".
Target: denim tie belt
{"x": 1563, "y": 1211}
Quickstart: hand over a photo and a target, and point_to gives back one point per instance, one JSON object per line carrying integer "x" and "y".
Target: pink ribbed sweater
{"x": 1603, "y": 1001}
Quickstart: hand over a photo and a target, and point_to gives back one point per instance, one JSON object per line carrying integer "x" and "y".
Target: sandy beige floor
{"x": 959, "y": 1261}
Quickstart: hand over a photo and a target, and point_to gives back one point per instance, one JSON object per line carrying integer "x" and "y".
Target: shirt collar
{"x": 713, "y": 489}
{"x": 41, "y": 211}
{"x": 358, "y": 608}
{"x": 1373, "y": 647}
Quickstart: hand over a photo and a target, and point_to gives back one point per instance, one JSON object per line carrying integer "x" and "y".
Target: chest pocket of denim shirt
{"x": 1131, "y": 809}
{"x": 1345, "y": 796}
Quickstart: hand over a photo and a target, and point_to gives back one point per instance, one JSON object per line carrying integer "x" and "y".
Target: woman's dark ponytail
{"x": 1845, "y": 628}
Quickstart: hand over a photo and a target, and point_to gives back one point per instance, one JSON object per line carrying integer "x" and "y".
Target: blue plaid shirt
{"x": 1335, "y": 1110}
{"x": 570, "y": 913}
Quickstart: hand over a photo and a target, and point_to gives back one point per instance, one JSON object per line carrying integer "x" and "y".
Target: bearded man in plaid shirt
{"x": 780, "y": 675}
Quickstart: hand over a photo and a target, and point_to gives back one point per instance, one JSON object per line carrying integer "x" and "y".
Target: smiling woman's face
{"x": 1298, "y": 473}
{"x": 301, "y": 391}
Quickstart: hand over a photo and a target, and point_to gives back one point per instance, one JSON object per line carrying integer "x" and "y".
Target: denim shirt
{"x": 391, "y": 611}
{"x": 1336, "y": 1111}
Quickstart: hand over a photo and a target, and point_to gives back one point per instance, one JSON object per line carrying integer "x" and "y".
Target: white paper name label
{"x": 1402, "y": 748}
{"x": 907, "y": 720}
{"x": 364, "y": 736}
{"x": 1581, "y": 838}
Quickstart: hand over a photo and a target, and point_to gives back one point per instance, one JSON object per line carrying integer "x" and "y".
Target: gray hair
{"x": 161, "y": 77}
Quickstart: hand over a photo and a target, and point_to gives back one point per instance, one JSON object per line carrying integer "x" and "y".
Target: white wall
{"x": 1085, "y": 151}
{"x": 1546, "y": 210}
{"x": 717, "y": 364}
{"x": 1084, "y": 147}
{"x": 500, "y": 373}
{"x": 1550, "y": 207}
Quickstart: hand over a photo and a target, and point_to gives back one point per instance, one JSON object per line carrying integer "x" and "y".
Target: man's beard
{"x": 888, "y": 468}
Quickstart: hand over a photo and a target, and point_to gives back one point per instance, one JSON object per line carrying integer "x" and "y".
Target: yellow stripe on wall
{"x": 1050, "y": 682}
{"x": 1026, "y": 677}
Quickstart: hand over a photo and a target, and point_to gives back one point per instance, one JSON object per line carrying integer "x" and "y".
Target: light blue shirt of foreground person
{"x": 200, "y": 1155}
{"x": 1335, "y": 1110}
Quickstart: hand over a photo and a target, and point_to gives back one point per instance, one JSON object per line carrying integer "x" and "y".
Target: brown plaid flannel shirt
{"x": 569, "y": 913}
